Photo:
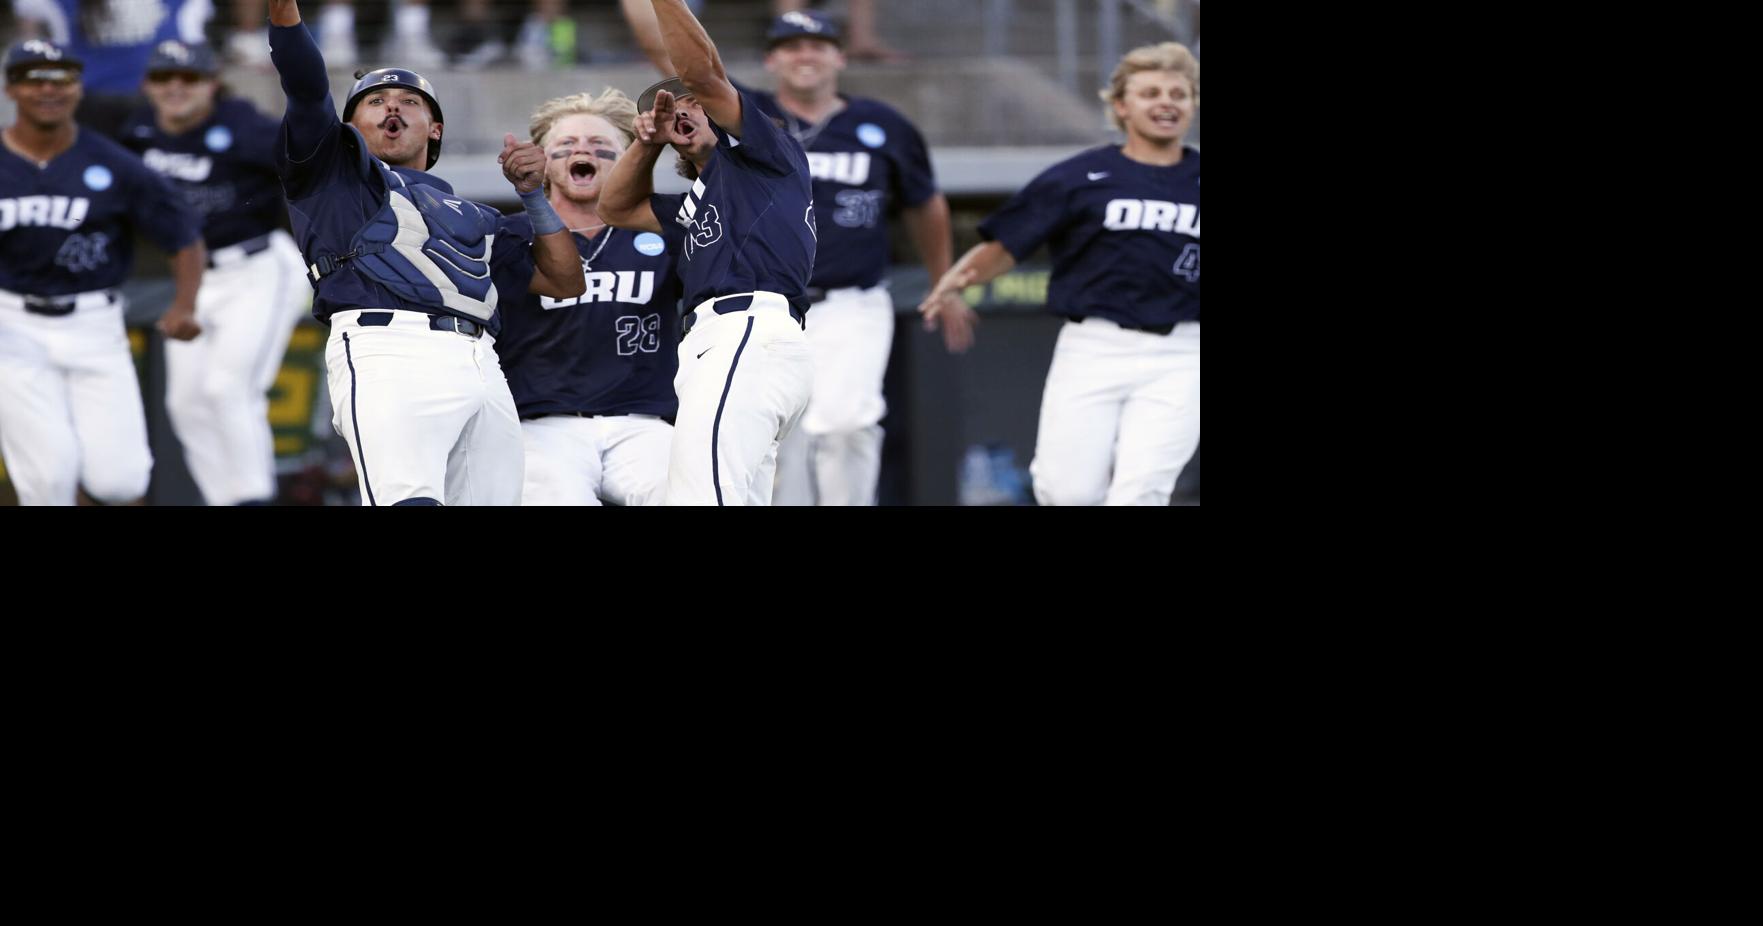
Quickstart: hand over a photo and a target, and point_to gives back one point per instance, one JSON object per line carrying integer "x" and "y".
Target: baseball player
{"x": 745, "y": 369}
{"x": 866, "y": 160}
{"x": 219, "y": 153}
{"x": 1120, "y": 416}
{"x": 71, "y": 202}
{"x": 402, "y": 272}
{"x": 593, "y": 376}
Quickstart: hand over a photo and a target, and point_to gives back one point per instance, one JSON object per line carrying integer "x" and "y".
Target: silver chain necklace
{"x": 806, "y": 134}
{"x": 589, "y": 263}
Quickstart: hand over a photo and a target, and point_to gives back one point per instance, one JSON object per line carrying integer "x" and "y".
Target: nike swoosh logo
{"x": 706, "y": 351}
{"x": 1098, "y": 175}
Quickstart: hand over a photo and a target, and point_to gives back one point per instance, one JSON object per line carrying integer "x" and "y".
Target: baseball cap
{"x": 173, "y": 55}
{"x": 672, "y": 85}
{"x": 35, "y": 52}
{"x": 810, "y": 23}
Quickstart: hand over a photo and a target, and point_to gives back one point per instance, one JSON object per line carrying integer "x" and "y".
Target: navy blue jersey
{"x": 69, "y": 227}
{"x": 866, "y": 160}
{"x": 1125, "y": 236}
{"x": 749, "y": 219}
{"x": 334, "y": 186}
{"x": 224, "y": 167}
{"x": 611, "y": 351}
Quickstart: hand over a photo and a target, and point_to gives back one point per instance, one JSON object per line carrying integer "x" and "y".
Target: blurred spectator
{"x": 248, "y": 45}
{"x": 114, "y": 38}
{"x": 536, "y": 34}
{"x": 546, "y": 36}
{"x": 410, "y": 44}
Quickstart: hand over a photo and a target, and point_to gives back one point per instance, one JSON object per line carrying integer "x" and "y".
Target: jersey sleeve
{"x": 915, "y": 181}
{"x": 511, "y": 262}
{"x": 1030, "y": 217}
{"x": 762, "y": 143}
{"x": 666, "y": 206}
{"x": 311, "y": 133}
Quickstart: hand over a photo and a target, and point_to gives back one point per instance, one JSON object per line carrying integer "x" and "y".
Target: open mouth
{"x": 393, "y": 126}
{"x": 1166, "y": 120}
{"x": 682, "y": 125}
{"x": 583, "y": 171}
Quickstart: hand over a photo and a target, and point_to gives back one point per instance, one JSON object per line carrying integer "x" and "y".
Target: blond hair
{"x": 611, "y": 105}
{"x": 1168, "y": 56}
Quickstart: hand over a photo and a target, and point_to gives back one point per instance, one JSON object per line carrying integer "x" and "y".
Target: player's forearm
{"x": 985, "y": 263}
{"x": 629, "y": 185}
{"x": 557, "y": 261}
{"x": 284, "y": 12}
{"x": 640, "y": 16}
{"x": 689, "y": 48}
{"x": 928, "y": 226}
{"x": 299, "y": 62}
{"x": 187, "y": 265}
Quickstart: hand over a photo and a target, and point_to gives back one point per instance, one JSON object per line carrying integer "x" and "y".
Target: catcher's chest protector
{"x": 430, "y": 247}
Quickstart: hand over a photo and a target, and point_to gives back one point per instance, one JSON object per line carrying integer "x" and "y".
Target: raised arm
{"x": 624, "y": 195}
{"x": 311, "y": 115}
{"x": 700, "y": 68}
{"x": 557, "y": 268}
{"x": 640, "y": 16}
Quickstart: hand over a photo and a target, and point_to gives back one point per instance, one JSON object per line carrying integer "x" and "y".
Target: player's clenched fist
{"x": 179, "y": 322}
{"x": 523, "y": 163}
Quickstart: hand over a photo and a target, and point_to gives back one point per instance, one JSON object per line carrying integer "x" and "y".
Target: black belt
{"x": 1153, "y": 329}
{"x": 738, "y": 304}
{"x": 815, "y": 294}
{"x": 586, "y": 415}
{"x": 246, "y": 248}
{"x": 463, "y": 326}
{"x": 56, "y": 305}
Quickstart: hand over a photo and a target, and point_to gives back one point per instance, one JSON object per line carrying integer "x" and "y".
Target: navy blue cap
{"x": 173, "y": 55}
{"x": 40, "y": 51}
{"x": 796, "y": 23}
